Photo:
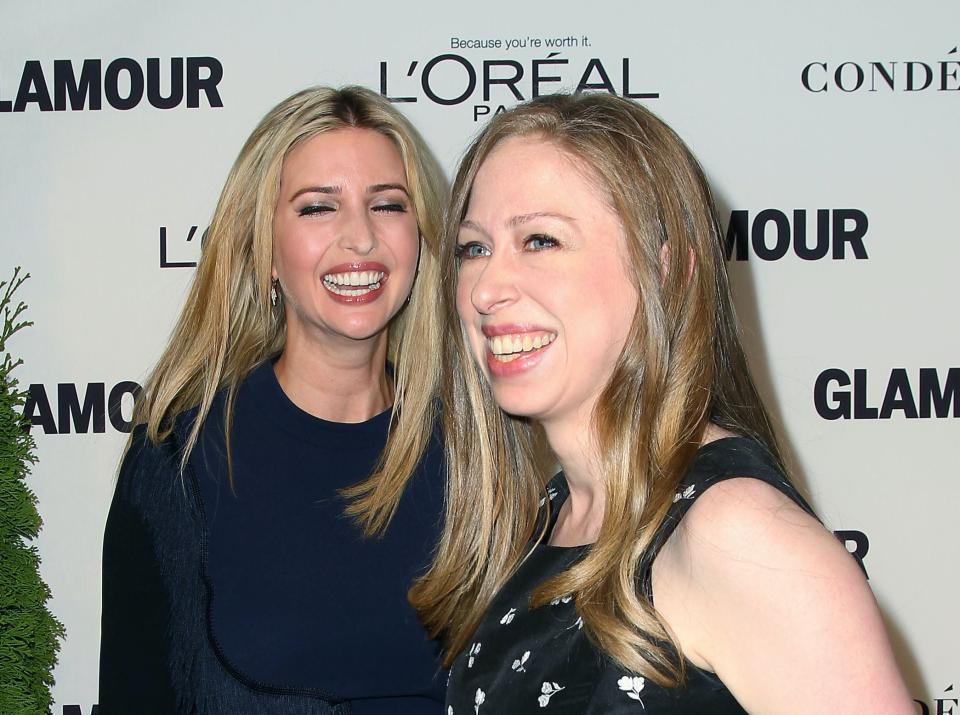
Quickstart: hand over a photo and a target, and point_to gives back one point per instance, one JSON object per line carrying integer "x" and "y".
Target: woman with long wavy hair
{"x": 671, "y": 567}
{"x": 283, "y": 483}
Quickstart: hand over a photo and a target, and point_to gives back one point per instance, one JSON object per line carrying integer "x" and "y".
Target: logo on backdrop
{"x": 125, "y": 83}
{"x": 941, "y": 706}
{"x": 849, "y": 76}
{"x": 77, "y": 710}
{"x": 926, "y": 393}
{"x": 81, "y": 408}
{"x": 857, "y": 543}
{"x": 174, "y": 253}
{"x": 491, "y": 83}
{"x": 811, "y": 235}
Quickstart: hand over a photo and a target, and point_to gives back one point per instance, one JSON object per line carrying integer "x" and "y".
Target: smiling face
{"x": 543, "y": 289}
{"x": 345, "y": 237}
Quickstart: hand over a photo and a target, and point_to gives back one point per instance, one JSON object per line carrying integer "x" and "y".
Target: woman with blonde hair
{"x": 283, "y": 484}
{"x": 670, "y": 567}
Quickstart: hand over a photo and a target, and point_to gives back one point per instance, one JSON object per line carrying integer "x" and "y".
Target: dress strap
{"x": 717, "y": 461}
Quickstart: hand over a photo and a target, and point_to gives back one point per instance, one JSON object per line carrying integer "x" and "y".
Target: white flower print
{"x": 508, "y": 617}
{"x": 685, "y": 494}
{"x": 562, "y": 599}
{"x": 551, "y": 493}
{"x": 518, "y": 663}
{"x": 548, "y": 690}
{"x": 474, "y": 650}
{"x": 632, "y": 685}
{"x": 478, "y": 700}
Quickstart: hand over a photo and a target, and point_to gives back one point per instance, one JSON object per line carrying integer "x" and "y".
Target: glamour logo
{"x": 123, "y": 82}
{"x": 450, "y": 79}
{"x": 166, "y": 261}
{"x": 836, "y": 396}
{"x": 883, "y": 76}
{"x": 67, "y": 414}
{"x": 773, "y": 233}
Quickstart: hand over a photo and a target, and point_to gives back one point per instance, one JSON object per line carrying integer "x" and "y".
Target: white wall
{"x": 86, "y": 193}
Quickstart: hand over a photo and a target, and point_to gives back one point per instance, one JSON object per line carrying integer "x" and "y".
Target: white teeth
{"x": 365, "y": 280}
{"x": 351, "y": 291}
{"x": 510, "y": 347}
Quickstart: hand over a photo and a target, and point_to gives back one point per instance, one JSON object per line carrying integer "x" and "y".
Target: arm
{"x": 768, "y": 599}
{"x": 135, "y": 614}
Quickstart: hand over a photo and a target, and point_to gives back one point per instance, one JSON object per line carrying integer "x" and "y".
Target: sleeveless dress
{"x": 523, "y": 660}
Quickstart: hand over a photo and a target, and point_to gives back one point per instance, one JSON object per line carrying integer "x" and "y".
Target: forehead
{"x": 522, "y": 170}
{"x": 347, "y": 152}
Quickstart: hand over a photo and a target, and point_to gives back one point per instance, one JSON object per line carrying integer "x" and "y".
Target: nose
{"x": 357, "y": 233}
{"x": 495, "y": 285}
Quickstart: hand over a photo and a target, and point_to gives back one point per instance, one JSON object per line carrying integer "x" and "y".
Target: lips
{"x": 355, "y": 283}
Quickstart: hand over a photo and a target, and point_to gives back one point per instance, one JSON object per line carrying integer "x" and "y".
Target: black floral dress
{"x": 523, "y": 660}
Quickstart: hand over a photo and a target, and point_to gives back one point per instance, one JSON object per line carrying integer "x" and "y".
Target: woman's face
{"x": 345, "y": 237}
{"x": 543, "y": 290}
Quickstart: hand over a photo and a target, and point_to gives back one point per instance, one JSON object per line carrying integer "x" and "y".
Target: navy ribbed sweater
{"x": 262, "y": 597}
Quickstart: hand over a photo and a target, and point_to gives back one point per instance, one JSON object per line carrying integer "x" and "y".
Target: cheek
{"x": 464, "y": 288}
{"x": 405, "y": 239}
{"x": 293, "y": 249}
{"x": 467, "y": 313}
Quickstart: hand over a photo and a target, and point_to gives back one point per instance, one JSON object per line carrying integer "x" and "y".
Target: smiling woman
{"x": 545, "y": 276}
{"x": 293, "y": 391}
{"x": 671, "y": 567}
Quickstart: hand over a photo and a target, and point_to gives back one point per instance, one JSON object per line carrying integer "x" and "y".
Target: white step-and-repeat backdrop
{"x": 829, "y": 130}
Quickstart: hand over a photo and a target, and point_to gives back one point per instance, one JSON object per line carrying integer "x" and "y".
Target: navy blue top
{"x": 293, "y": 600}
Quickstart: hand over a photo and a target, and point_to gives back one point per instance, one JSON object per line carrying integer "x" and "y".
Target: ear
{"x": 665, "y": 261}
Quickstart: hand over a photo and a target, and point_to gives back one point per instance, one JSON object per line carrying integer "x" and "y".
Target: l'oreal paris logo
{"x": 450, "y": 79}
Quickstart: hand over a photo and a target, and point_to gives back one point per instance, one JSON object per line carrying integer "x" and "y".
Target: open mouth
{"x": 507, "y": 348}
{"x": 353, "y": 284}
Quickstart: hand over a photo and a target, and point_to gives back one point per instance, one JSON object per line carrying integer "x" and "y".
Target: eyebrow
{"x": 337, "y": 190}
{"x": 516, "y": 221}
{"x": 527, "y": 218}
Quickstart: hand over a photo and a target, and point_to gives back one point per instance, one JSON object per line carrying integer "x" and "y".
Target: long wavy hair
{"x": 228, "y": 325}
{"x": 682, "y": 366}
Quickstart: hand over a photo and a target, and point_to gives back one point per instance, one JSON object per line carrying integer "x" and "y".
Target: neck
{"x": 581, "y": 516}
{"x": 342, "y": 382}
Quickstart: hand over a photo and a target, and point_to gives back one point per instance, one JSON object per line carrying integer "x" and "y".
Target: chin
{"x": 519, "y": 403}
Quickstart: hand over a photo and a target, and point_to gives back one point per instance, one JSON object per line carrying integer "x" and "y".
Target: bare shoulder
{"x": 761, "y": 593}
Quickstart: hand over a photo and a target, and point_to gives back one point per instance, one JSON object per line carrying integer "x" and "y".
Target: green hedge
{"x": 29, "y": 634}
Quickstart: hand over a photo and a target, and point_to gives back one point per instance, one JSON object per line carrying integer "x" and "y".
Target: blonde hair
{"x": 682, "y": 365}
{"x": 228, "y": 325}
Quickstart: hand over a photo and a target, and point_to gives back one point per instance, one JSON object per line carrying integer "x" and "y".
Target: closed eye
{"x": 391, "y": 208}
{"x": 315, "y": 209}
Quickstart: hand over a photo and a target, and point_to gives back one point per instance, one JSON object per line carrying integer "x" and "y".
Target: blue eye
{"x": 471, "y": 250}
{"x": 540, "y": 242}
